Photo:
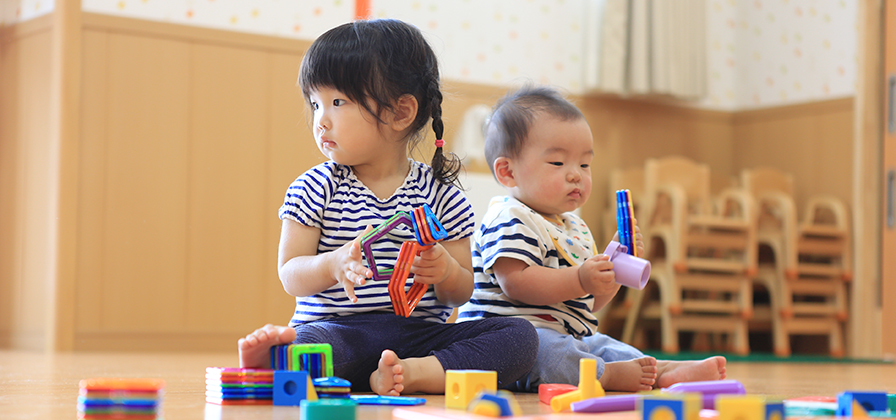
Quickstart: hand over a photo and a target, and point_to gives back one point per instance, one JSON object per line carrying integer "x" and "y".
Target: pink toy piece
{"x": 630, "y": 271}
{"x": 548, "y": 391}
{"x": 371, "y": 237}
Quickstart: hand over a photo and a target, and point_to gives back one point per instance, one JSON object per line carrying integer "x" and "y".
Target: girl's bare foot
{"x": 672, "y": 372}
{"x": 389, "y": 375}
{"x": 630, "y": 375}
{"x": 396, "y": 376}
{"x": 255, "y": 348}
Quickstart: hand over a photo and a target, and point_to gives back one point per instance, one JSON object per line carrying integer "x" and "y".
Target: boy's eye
{"x": 585, "y": 166}
{"x": 556, "y": 163}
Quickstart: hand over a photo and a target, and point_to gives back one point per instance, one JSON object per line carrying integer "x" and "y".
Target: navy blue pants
{"x": 506, "y": 345}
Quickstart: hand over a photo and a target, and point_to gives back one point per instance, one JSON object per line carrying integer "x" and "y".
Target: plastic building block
{"x": 741, "y": 407}
{"x": 630, "y": 271}
{"x": 332, "y": 387}
{"x": 548, "y": 391}
{"x": 891, "y": 403}
{"x": 387, "y": 400}
{"x": 684, "y": 406}
{"x": 316, "y": 359}
{"x": 589, "y": 387}
{"x": 461, "y": 386}
{"x": 709, "y": 389}
{"x": 338, "y": 409}
{"x": 291, "y": 387}
{"x": 869, "y": 400}
{"x": 400, "y": 218}
{"x": 404, "y": 302}
{"x": 774, "y": 410}
{"x": 610, "y": 403}
{"x": 495, "y": 404}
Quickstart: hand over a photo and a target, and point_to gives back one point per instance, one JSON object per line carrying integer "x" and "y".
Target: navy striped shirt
{"x": 330, "y": 197}
{"x": 510, "y": 229}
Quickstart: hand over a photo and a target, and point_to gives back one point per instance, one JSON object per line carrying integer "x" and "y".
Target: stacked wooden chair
{"x": 811, "y": 259}
{"x": 702, "y": 250}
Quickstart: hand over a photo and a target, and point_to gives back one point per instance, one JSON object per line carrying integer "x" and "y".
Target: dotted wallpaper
{"x": 760, "y": 53}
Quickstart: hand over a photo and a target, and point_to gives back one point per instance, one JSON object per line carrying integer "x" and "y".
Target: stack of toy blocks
{"x": 239, "y": 386}
{"x": 126, "y": 399}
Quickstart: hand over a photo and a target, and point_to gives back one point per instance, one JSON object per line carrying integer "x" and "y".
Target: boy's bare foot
{"x": 395, "y": 376}
{"x": 255, "y": 348}
{"x": 630, "y": 375}
{"x": 671, "y": 372}
{"x": 389, "y": 375}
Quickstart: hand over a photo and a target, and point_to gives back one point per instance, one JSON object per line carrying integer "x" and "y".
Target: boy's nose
{"x": 573, "y": 176}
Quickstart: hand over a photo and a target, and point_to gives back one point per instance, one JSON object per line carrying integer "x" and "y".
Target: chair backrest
{"x": 631, "y": 179}
{"x": 765, "y": 179}
{"x": 691, "y": 177}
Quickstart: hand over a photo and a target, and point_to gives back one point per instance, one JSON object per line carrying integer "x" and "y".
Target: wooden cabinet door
{"x": 888, "y": 240}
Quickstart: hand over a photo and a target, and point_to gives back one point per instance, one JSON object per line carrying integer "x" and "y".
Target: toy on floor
{"x": 709, "y": 389}
{"x": 495, "y": 404}
{"x": 103, "y": 398}
{"x": 589, "y": 387}
{"x": 861, "y": 403}
{"x": 428, "y": 230}
{"x": 316, "y": 359}
{"x": 332, "y": 387}
{"x": 239, "y": 386}
{"x": 461, "y": 386}
{"x": 748, "y": 407}
{"x": 328, "y": 409}
{"x": 548, "y": 391}
{"x": 387, "y": 400}
{"x": 607, "y": 404}
{"x": 685, "y": 406}
{"x": 292, "y": 387}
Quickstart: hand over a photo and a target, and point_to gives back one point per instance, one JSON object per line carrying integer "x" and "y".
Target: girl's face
{"x": 343, "y": 130}
{"x": 552, "y": 174}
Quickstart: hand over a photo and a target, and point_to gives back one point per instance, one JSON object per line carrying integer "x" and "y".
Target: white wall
{"x": 761, "y": 53}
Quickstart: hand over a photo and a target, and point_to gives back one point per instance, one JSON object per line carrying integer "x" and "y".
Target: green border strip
{"x": 767, "y": 358}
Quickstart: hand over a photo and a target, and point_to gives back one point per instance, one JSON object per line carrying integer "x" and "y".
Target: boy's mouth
{"x": 576, "y": 193}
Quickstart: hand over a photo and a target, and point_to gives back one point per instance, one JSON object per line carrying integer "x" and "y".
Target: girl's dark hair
{"x": 381, "y": 60}
{"x": 512, "y": 117}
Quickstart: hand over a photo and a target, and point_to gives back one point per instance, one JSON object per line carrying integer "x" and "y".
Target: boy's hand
{"x": 639, "y": 241}
{"x": 433, "y": 266}
{"x": 348, "y": 268}
{"x": 596, "y": 276}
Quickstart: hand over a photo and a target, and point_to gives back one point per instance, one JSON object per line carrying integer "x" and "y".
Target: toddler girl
{"x": 372, "y": 87}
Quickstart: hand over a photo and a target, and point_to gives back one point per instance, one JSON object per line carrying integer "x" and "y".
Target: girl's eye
{"x": 338, "y": 102}
{"x": 314, "y": 106}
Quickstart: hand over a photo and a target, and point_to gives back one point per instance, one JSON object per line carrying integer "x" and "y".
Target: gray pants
{"x": 559, "y": 354}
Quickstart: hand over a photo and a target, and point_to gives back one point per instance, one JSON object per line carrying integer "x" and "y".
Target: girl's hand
{"x": 433, "y": 265}
{"x": 348, "y": 268}
{"x": 596, "y": 276}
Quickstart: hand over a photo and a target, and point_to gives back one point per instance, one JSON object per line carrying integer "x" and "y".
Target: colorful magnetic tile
{"x": 222, "y": 401}
{"x": 436, "y": 230}
{"x": 114, "y": 384}
{"x": 404, "y": 301}
{"x": 315, "y": 358}
{"x": 367, "y": 241}
{"x": 387, "y": 400}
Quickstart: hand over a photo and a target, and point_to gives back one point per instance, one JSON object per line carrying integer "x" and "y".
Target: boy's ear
{"x": 404, "y": 112}
{"x": 503, "y": 168}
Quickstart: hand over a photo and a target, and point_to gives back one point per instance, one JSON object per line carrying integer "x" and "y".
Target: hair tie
{"x": 440, "y": 143}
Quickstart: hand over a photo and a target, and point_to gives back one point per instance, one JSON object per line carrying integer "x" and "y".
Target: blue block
{"x": 869, "y": 400}
{"x": 650, "y": 407}
{"x": 774, "y": 411}
{"x": 290, "y": 387}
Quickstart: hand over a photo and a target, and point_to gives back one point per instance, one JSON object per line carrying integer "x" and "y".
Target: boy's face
{"x": 552, "y": 174}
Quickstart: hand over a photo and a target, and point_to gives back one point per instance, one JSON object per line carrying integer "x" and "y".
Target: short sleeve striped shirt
{"x": 510, "y": 229}
{"x": 330, "y": 197}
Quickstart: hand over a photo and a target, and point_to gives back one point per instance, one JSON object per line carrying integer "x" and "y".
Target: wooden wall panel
{"x": 147, "y": 193}
{"x": 227, "y": 184}
{"x": 291, "y": 151}
{"x": 25, "y": 181}
{"x": 812, "y": 141}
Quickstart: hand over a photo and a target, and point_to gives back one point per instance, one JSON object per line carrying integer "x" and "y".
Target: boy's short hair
{"x": 513, "y": 115}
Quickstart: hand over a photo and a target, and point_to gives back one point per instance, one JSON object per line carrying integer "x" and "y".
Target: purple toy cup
{"x": 630, "y": 271}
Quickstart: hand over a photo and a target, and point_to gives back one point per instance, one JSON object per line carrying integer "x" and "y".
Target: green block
{"x": 329, "y": 409}
{"x": 891, "y": 403}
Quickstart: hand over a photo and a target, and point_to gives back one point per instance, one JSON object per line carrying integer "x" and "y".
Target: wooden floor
{"x": 34, "y": 385}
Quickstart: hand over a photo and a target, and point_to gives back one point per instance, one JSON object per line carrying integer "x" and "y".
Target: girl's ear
{"x": 404, "y": 113}
{"x": 504, "y": 172}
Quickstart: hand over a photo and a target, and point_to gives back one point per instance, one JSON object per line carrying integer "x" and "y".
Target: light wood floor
{"x": 38, "y": 386}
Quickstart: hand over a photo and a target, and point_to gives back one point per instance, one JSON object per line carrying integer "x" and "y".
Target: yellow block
{"x": 461, "y": 386}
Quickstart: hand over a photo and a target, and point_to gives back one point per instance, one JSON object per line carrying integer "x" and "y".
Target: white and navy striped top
{"x": 510, "y": 229}
{"x": 330, "y": 197}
